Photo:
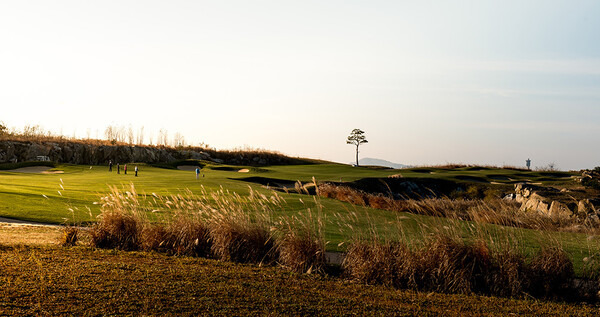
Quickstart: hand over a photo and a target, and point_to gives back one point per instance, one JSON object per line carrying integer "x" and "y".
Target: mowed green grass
{"x": 47, "y": 197}
{"x": 70, "y": 197}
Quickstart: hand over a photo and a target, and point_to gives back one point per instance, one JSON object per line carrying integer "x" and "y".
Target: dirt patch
{"x": 24, "y": 233}
{"x": 244, "y": 170}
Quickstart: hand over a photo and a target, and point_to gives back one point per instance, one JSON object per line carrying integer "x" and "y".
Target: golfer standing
{"x": 136, "y": 170}
{"x": 197, "y": 173}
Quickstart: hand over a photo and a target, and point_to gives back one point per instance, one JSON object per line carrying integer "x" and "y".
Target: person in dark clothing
{"x": 125, "y": 169}
{"x": 110, "y": 165}
{"x": 118, "y": 169}
{"x": 136, "y": 170}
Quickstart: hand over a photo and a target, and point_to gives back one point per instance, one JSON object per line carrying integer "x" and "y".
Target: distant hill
{"x": 380, "y": 162}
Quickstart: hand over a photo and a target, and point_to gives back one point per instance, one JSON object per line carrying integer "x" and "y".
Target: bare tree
{"x": 3, "y": 128}
{"x": 357, "y": 138}
{"x": 32, "y": 130}
{"x": 140, "y": 136}
{"x": 178, "y": 140}
{"x": 163, "y": 137}
{"x": 109, "y": 133}
{"x": 130, "y": 135}
{"x": 122, "y": 134}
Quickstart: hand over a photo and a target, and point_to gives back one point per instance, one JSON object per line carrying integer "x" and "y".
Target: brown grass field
{"x": 39, "y": 277}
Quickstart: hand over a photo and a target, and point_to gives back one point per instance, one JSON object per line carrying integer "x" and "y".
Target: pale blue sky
{"x": 485, "y": 82}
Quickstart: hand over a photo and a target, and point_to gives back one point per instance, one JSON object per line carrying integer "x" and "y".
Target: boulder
{"x": 535, "y": 202}
{"x": 544, "y": 200}
{"x": 558, "y": 209}
{"x": 585, "y": 207}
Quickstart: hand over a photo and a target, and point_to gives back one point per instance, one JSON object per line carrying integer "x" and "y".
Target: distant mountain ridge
{"x": 380, "y": 162}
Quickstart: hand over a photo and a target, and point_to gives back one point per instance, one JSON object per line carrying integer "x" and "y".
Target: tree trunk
{"x": 357, "y": 155}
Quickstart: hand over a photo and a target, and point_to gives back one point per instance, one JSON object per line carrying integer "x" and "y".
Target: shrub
{"x": 190, "y": 236}
{"x": 301, "y": 252}
{"x": 238, "y": 240}
{"x": 69, "y": 236}
{"x": 391, "y": 264}
{"x": 453, "y": 266}
{"x": 182, "y": 236}
{"x": 301, "y": 245}
{"x": 116, "y": 230}
{"x": 506, "y": 272}
{"x": 549, "y": 273}
{"x": 155, "y": 237}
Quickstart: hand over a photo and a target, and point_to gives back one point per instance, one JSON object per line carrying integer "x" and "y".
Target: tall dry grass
{"x": 446, "y": 262}
{"x": 218, "y": 224}
{"x": 232, "y": 227}
{"x": 239, "y": 238}
{"x": 493, "y": 211}
{"x": 301, "y": 241}
{"x": 121, "y": 221}
{"x": 454, "y": 256}
{"x": 181, "y": 236}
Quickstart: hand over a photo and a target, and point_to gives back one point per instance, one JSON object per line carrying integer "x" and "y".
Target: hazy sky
{"x": 487, "y": 82}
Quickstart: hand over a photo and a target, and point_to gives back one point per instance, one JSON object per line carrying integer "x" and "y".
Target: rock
{"x": 558, "y": 209}
{"x": 508, "y": 197}
{"x": 522, "y": 192}
{"x": 542, "y": 200}
{"x": 585, "y": 207}
{"x": 537, "y": 203}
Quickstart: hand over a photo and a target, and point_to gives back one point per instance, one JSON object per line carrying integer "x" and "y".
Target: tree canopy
{"x": 357, "y": 137}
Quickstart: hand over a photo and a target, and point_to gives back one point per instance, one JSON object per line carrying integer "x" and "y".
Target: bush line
{"x": 229, "y": 227}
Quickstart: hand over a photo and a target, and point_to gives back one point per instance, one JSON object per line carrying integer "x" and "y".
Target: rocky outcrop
{"x": 405, "y": 188}
{"x": 77, "y": 153}
{"x": 553, "y": 202}
{"x": 590, "y": 178}
{"x": 94, "y": 154}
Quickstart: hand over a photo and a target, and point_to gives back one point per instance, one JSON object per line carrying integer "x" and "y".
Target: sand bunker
{"x": 244, "y": 170}
{"x": 35, "y": 170}
{"x": 190, "y": 168}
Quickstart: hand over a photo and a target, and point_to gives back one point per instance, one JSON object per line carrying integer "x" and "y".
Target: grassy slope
{"x": 21, "y": 194}
{"x": 21, "y": 197}
{"x": 81, "y": 281}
